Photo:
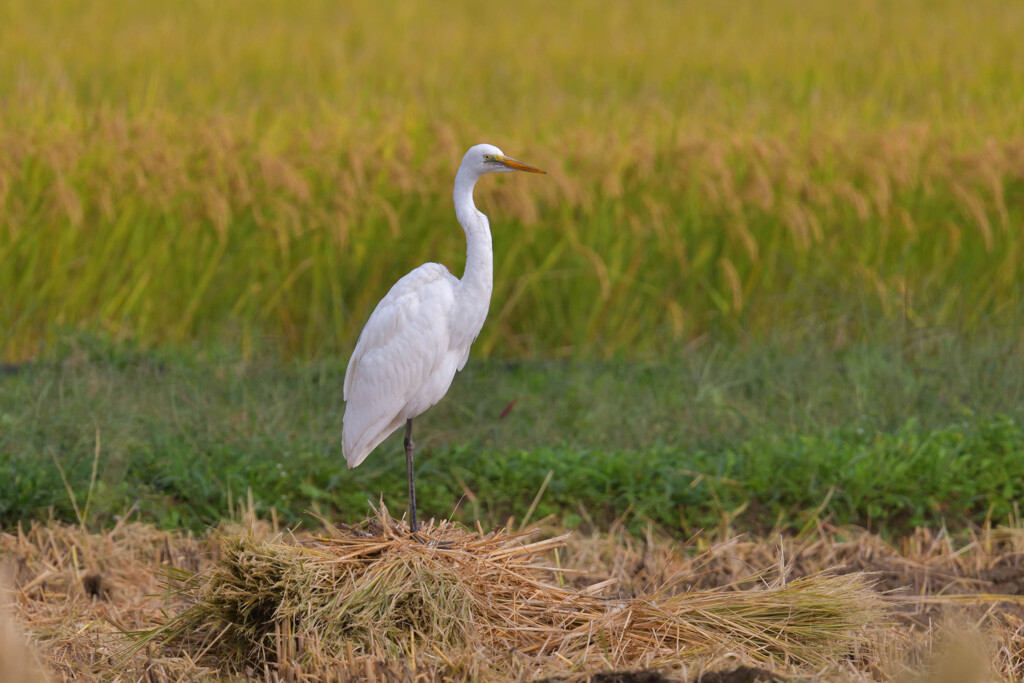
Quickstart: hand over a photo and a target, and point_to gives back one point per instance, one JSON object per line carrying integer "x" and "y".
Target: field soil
{"x": 954, "y": 607}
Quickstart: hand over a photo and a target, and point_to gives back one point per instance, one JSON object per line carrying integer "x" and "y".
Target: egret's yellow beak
{"x": 517, "y": 165}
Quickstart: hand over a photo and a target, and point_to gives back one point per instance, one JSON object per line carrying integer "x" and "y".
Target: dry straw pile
{"x": 367, "y": 602}
{"x": 468, "y": 604}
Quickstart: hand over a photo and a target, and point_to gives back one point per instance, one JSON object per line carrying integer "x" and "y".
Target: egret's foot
{"x": 430, "y": 544}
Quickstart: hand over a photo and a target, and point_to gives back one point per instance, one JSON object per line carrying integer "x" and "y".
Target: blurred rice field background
{"x": 259, "y": 173}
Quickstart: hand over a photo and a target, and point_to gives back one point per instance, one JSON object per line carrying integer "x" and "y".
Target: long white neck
{"x": 478, "y": 279}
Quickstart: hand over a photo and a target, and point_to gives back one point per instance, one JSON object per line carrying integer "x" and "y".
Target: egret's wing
{"x": 464, "y": 356}
{"x": 405, "y": 339}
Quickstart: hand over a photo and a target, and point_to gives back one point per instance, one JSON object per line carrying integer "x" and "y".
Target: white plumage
{"x": 420, "y": 333}
{"x": 393, "y": 374}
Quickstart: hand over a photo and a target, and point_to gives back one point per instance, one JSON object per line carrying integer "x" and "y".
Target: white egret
{"x": 420, "y": 333}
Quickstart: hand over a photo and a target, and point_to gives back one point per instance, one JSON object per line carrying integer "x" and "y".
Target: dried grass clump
{"x": 465, "y": 603}
{"x": 75, "y": 593}
{"x": 954, "y": 602}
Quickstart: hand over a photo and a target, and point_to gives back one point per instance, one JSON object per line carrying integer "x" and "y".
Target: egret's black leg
{"x": 410, "y": 447}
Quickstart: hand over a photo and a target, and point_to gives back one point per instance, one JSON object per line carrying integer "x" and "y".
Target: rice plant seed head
{"x": 420, "y": 333}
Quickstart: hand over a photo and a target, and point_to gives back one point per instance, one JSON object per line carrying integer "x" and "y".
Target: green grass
{"x": 235, "y": 172}
{"x": 924, "y": 431}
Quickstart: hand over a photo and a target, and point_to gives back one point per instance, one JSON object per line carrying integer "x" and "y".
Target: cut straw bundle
{"x": 464, "y": 603}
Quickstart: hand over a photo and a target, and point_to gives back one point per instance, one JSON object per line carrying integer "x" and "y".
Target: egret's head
{"x": 489, "y": 159}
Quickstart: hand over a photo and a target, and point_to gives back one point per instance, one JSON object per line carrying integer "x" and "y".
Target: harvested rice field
{"x": 365, "y": 602}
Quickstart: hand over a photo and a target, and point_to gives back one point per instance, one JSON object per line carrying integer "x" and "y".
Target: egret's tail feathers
{"x": 357, "y": 447}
